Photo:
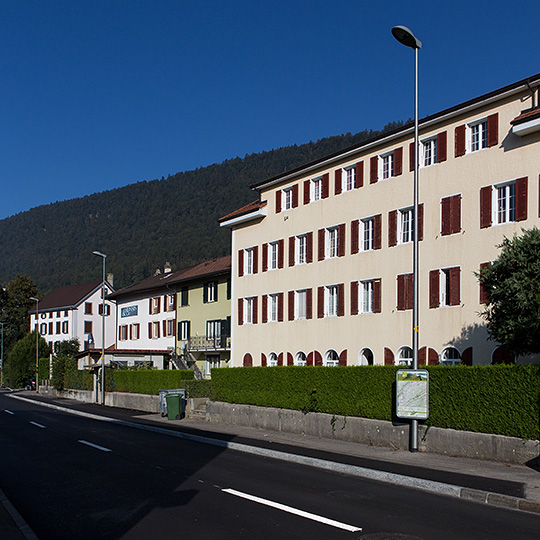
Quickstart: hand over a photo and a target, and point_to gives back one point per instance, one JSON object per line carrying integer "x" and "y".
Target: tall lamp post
{"x": 103, "y": 256}
{"x": 407, "y": 38}
{"x": 36, "y": 300}
{"x": 2, "y": 359}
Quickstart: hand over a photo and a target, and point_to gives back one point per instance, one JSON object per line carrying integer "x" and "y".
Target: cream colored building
{"x": 322, "y": 262}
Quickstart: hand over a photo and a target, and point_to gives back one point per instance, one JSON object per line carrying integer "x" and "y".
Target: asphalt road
{"x": 76, "y": 478}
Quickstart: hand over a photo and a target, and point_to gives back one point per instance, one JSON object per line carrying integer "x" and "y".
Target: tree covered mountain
{"x": 143, "y": 225}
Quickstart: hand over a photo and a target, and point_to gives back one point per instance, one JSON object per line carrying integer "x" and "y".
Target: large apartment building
{"x": 322, "y": 262}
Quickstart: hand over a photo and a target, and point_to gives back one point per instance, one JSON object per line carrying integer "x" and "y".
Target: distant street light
{"x": 104, "y": 257}
{"x": 36, "y": 300}
{"x": 407, "y": 38}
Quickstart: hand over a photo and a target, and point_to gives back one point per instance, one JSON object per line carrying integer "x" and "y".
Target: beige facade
{"x": 340, "y": 231}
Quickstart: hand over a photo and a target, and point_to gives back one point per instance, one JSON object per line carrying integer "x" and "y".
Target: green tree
{"x": 21, "y": 361}
{"x": 512, "y": 286}
{"x": 68, "y": 347}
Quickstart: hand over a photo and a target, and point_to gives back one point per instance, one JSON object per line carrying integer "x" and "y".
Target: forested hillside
{"x": 143, "y": 225}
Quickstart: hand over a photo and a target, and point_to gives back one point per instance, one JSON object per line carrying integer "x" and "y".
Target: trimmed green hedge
{"x": 148, "y": 381}
{"x": 490, "y": 399}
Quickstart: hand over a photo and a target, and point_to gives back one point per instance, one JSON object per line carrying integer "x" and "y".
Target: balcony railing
{"x": 202, "y": 343}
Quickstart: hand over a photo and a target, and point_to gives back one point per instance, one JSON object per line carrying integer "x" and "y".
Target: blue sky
{"x": 99, "y": 94}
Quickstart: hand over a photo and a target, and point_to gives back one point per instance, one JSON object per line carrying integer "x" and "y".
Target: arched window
{"x": 450, "y": 357}
{"x": 501, "y": 355}
{"x": 365, "y": 358}
{"x": 300, "y": 359}
{"x": 404, "y": 357}
{"x": 272, "y": 359}
{"x": 331, "y": 358}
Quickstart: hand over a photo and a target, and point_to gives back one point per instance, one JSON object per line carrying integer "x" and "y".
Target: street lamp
{"x": 36, "y": 300}
{"x": 103, "y": 256}
{"x": 407, "y": 38}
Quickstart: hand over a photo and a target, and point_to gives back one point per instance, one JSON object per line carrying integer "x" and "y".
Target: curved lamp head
{"x": 406, "y": 37}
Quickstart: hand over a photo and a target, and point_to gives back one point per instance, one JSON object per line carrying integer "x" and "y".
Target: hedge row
{"x": 502, "y": 399}
{"x": 148, "y": 382}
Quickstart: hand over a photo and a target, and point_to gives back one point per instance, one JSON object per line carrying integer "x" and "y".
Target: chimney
{"x": 167, "y": 268}
{"x": 110, "y": 279}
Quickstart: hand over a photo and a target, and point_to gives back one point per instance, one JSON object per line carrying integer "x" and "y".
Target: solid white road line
{"x": 38, "y": 425}
{"x": 292, "y": 510}
{"x": 102, "y": 448}
{"x": 9, "y": 412}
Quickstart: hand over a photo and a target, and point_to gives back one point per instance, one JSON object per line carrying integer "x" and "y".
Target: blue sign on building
{"x": 129, "y": 311}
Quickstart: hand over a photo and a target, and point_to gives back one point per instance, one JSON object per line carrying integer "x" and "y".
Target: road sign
{"x": 412, "y": 394}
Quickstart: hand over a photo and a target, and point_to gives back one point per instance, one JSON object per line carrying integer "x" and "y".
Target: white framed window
{"x": 365, "y": 292}
{"x": 332, "y": 242}
{"x": 450, "y": 357}
{"x": 184, "y": 330}
{"x": 301, "y": 249}
{"x": 169, "y": 327}
{"x": 367, "y": 234}
{"x": 404, "y": 356}
{"x": 444, "y": 287}
{"x": 300, "y": 303}
{"x": 249, "y": 304}
{"x": 477, "y": 135}
{"x": 249, "y": 258}
{"x": 65, "y": 327}
{"x": 272, "y": 359}
{"x": 212, "y": 361}
{"x": 135, "y": 331}
{"x": 316, "y": 189}
{"x": 155, "y": 330}
{"x": 287, "y": 201}
{"x": 169, "y": 302}
{"x": 123, "y": 333}
{"x": 210, "y": 291}
{"x": 331, "y": 358}
{"x": 348, "y": 178}
{"x": 300, "y": 359}
{"x": 504, "y": 203}
{"x": 273, "y": 255}
{"x": 428, "y": 149}
{"x": 405, "y": 225}
{"x": 387, "y": 165}
{"x": 213, "y": 329}
{"x": 273, "y": 300}
{"x": 330, "y": 300}
{"x": 365, "y": 357}
{"x": 154, "y": 306}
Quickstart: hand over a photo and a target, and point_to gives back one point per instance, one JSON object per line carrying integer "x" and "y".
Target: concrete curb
{"x": 21, "y": 524}
{"x": 493, "y": 499}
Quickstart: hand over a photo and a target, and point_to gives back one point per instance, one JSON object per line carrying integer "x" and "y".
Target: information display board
{"x": 412, "y": 394}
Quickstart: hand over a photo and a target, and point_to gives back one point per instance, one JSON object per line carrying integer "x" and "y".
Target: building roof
{"x": 251, "y": 207}
{"x": 68, "y": 297}
{"x": 221, "y": 265}
{"x": 527, "y": 115}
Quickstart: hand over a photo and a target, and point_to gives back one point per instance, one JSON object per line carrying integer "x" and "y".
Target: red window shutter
{"x": 280, "y": 359}
{"x": 150, "y": 336}
{"x": 120, "y": 332}
{"x": 401, "y": 292}
{"x": 281, "y": 254}
{"x": 455, "y": 213}
{"x": 248, "y": 360}
{"x": 467, "y": 356}
{"x": 158, "y": 302}
{"x": 290, "y": 359}
{"x": 422, "y": 356}
{"x": 295, "y": 196}
{"x": 174, "y": 329}
{"x": 263, "y": 360}
{"x": 377, "y": 298}
{"x": 307, "y": 191}
{"x": 388, "y": 357}
{"x": 354, "y": 297}
{"x": 291, "y": 306}
{"x": 320, "y": 254}
{"x": 255, "y": 310}
{"x": 434, "y": 280}
{"x": 493, "y": 130}
{"x": 433, "y": 357}
{"x": 409, "y": 280}
{"x": 255, "y": 259}
{"x": 485, "y": 207}
{"x": 292, "y": 240}
{"x": 325, "y": 185}
{"x": 320, "y": 302}
{"x": 240, "y": 263}
{"x": 343, "y": 358}
{"x": 355, "y": 226}
{"x": 264, "y": 306}
{"x": 309, "y": 303}
{"x": 455, "y": 294}
{"x": 441, "y": 147}
{"x": 264, "y": 257}
{"x": 521, "y": 199}
{"x": 445, "y": 216}
{"x": 373, "y": 169}
{"x": 318, "y": 358}
{"x": 483, "y": 291}
{"x": 392, "y": 228}
{"x": 150, "y": 306}
{"x": 240, "y": 311}
{"x": 280, "y": 307}
{"x": 164, "y": 328}
{"x": 459, "y": 148}
{"x": 398, "y": 161}
{"x": 411, "y": 157}
{"x": 420, "y": 221}
{"x": 359, "y": 180}
{"x": 341, "y": 300}
{"x": 341, "y": 240}
{"x": 337, "y": 181}
{"x": 377, "y": 231}
{"x": 278, "y": 201}
{"x": 309, "y": 247}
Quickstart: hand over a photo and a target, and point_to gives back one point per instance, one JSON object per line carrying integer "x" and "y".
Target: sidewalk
{"x": 509, "y": 486}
